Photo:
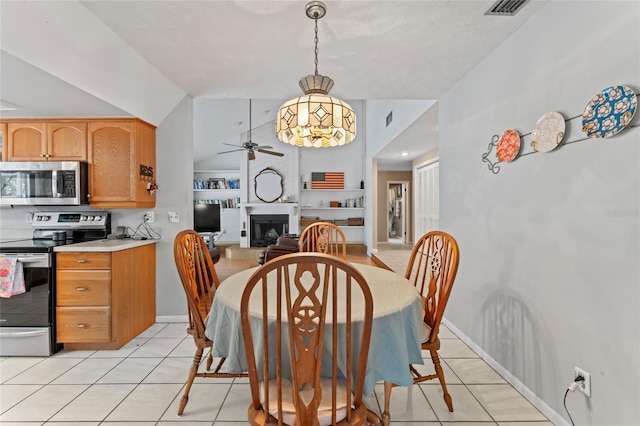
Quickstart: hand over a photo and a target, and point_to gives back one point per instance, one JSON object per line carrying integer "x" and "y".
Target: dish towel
{"x": 11, "y": 277}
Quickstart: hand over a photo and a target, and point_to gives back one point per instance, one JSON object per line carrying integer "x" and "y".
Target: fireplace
{"x": 264, "y": 229}
{"x": 287, "y": 222}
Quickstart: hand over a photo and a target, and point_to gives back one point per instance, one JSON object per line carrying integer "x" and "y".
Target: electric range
{"x": 27, "y": 320}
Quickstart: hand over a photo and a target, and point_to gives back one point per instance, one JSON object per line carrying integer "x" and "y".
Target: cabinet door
{"x": 26, "y": 142}
{"x": 111, "y": 155}
{"x": 67, "y": 141}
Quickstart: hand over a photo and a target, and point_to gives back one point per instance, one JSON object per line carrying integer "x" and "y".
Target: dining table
{"x": 395, "y": 336}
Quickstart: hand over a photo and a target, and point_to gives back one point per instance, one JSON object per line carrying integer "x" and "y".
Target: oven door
{"x": 27, "y": 319}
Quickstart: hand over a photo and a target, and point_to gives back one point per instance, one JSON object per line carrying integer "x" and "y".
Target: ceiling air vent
{"x": 506, "y": 7}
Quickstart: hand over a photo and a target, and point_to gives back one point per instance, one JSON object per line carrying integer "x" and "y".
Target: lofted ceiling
{"x": 240, "y": 49}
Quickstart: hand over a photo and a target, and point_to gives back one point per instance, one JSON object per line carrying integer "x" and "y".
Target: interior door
{"x": 427, "y": 198}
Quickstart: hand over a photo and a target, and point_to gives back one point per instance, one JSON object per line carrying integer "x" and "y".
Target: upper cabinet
{"x": 122, "y": 163}
{"x": 46, "y": 141}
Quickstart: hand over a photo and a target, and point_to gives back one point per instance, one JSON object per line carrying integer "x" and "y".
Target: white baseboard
{"x": 172, "y": 318}
{"x": 551, "y": 414}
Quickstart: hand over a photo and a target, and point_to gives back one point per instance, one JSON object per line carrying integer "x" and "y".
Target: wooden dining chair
{"x": 324, "y": 237}
{"x": 200, "y": 281}
{"x": 432, "y": 268}
{"x": 295, "y": 309}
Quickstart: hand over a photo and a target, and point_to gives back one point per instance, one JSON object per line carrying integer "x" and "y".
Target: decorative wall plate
{"x": 548, "y": 132}
{"x": 609, "y": 112}
{"x": 508, "y": 146}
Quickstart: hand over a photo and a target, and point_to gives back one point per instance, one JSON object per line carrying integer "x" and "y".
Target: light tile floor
{"x": 141, "y": 385}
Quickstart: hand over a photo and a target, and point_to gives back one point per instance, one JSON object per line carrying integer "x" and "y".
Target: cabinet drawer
{"x": 77, "y": 325}
{"x": 78, "y": 260}
{"x": 83, "y": 288}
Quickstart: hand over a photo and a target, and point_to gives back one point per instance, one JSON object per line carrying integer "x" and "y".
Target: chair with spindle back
{"x": 324, "y": 237}
{"x": 432, "y": 268}
{"x": 295, "y": 309}
{"x": 200, "y": 281}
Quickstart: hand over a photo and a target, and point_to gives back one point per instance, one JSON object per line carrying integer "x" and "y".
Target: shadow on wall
{"x": 510, "y": 334}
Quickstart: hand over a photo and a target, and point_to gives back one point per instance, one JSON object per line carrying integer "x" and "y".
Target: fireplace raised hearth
{"x": 266, "y": 228}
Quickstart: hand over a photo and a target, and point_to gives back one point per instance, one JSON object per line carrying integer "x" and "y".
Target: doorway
{"x": 397, "y": 214}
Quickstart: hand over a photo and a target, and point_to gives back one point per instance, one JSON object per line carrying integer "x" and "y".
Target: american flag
{"x": 327, "y": 180}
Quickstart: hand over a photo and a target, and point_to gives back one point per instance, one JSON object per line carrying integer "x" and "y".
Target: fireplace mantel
{"x": 247, "y": 209}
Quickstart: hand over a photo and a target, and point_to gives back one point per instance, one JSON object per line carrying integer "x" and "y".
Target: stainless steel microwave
{"x": 43, "y": 183}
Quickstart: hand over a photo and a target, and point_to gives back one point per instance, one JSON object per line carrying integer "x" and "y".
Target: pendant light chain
{"x": 315, "y": 40}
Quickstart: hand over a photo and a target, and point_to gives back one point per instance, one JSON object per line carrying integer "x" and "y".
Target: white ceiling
{"x": 239, "y": 49}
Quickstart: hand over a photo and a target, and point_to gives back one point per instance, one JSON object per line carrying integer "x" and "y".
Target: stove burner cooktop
{"x": 79, "y": 226}
{"x": 32, "y": 246}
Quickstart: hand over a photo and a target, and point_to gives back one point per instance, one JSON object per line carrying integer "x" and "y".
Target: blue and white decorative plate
{"x": 609, "y": 112}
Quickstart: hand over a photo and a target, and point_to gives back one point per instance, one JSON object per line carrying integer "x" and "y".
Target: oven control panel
{"x": 70, "y": 220}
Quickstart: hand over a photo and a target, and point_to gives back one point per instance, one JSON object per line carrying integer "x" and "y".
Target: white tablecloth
{"x": 395, "y": 336}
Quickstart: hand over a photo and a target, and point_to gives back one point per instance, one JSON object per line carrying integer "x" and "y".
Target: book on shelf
{"x": 216, "y": 183}
{"x": 225, "y": 203}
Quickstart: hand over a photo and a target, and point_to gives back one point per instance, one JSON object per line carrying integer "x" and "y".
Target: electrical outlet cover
{"x": 585, "y": 385}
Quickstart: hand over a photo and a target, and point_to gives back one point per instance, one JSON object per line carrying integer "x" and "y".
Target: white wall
{"x": 549, "y": 275}
{"x": 61, "y": 38}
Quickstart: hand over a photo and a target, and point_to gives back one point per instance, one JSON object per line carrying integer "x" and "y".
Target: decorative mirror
{"x": 268, "y": 185}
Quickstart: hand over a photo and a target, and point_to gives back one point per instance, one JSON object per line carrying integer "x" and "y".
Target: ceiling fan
{"x": 250, "y": 146}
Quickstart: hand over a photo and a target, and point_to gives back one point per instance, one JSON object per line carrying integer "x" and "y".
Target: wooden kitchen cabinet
{"x": 104, "y": 299}
{"x": 47, "y": 141}
{"x": 122, "y": 163}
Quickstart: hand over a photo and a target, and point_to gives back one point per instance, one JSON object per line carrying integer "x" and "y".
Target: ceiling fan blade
{"x": 264, "y": 151}
{"x": 252, "y": 155}
{"x": 230, "y": 144}
{"x": 233, "y": 150}
{"x": 263, "y": 147}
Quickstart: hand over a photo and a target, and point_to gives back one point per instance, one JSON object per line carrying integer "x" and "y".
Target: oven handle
{"x": 32, "y": 260}
{"x": 25, "y": 333}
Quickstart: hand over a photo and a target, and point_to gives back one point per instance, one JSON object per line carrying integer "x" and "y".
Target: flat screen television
{"x": 206, "y": 217}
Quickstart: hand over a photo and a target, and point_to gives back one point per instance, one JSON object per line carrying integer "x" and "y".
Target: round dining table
{"x": 395, "y": 336}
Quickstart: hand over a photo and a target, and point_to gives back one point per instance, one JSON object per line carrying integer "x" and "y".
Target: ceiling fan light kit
{"x": 316, "y": 120}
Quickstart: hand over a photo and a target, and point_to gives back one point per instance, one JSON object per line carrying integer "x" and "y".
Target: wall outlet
{"x": 149, "y": 217}
{"x": 584, "y": 386}
{"x": 174, "y": 217}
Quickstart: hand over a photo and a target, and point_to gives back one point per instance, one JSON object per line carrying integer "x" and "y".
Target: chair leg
{"x": 386, "y": 415}
{"x": 440, "y": 373}
{"x": 192, "y": 375}
{"x": 209, "y": 360}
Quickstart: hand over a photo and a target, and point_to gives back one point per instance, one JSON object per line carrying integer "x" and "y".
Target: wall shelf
{"x": 332, "y": 208}
{"x": 332, "y": 190}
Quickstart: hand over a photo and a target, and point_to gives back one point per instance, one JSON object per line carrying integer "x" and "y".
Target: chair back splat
{"x": 199, "y": 281}
{"x": 306, "y": 320}
{"x": 432, "y": 268}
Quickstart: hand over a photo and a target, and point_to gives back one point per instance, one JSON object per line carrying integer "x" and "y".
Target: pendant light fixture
{"x": 316, "y": 119}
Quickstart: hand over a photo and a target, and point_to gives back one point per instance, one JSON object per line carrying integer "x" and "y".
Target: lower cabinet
{"x": 104, "y": 299}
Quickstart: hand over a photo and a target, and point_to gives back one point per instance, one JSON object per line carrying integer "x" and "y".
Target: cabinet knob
{"x": 82, "y": 325}
{"x": 82, "y": 289}
{"x": 43, "y": 155}
{"x": 81, "y": 261}
{"x": 88, "y": 195}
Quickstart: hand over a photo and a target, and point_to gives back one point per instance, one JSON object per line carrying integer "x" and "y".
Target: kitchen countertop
{"x": 104, "y": 245}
